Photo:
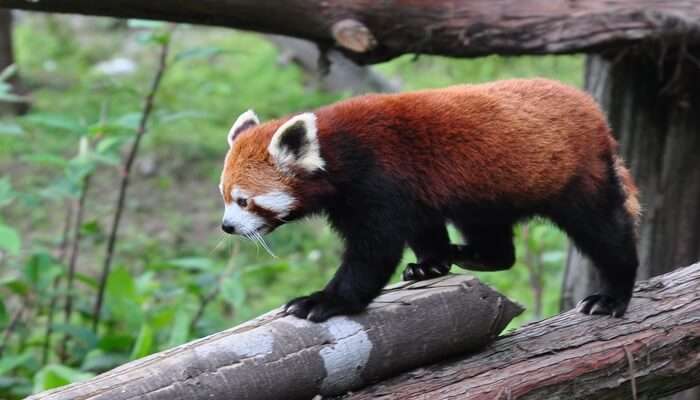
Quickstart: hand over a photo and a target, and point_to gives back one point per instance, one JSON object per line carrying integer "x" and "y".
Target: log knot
{"x": 353, "y": 35}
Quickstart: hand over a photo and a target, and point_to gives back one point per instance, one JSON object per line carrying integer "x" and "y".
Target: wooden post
{"x": 282, "y": 357}
{"x": 7, "y": 58}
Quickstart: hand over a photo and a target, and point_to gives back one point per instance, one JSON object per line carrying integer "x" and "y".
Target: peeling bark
{"x": 282, "y": 357}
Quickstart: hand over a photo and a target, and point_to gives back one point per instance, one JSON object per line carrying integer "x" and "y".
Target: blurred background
{"x": 72, "y": 93}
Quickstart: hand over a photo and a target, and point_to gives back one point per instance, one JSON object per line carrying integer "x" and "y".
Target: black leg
{"x": 432, "y": 248}
{"x": 489, "y": 247}
{"x": 373, "y": 251}
{"x": 608, "y": 239}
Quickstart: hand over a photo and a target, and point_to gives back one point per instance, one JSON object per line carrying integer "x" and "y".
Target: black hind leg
{"x": 432, "y": 248}
{"x": 608, "y": 239}
{"x": 489, "y": 247}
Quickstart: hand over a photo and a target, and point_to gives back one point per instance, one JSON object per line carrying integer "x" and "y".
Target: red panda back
{"x": 521, "y": 140}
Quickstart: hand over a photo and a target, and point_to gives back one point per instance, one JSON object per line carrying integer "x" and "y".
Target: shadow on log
{"x": 282, "y": 357}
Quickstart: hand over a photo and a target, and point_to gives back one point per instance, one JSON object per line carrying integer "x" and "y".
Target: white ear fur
{"x": 243, "y": 122}
{"x": 303, "y": 150}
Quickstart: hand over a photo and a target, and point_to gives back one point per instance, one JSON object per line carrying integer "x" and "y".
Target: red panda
{"x": 391, "y": 170}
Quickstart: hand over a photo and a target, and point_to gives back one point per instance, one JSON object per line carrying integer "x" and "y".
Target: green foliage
{"x": 9, "y": 240}
{"x": 54, "y": 375}
{"x": 174, "y": 277}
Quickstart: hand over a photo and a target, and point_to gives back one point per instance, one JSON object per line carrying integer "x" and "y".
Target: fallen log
{"x": 373, "y": 31}
{"x": 282, "y": 357}
{"x": 653, "y": 351}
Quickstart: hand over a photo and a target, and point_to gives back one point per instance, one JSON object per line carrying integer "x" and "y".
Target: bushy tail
{"x": 632, "y": 205}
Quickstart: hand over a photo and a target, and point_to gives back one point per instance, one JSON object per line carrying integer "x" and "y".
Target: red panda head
{"x": 264, "y": 171}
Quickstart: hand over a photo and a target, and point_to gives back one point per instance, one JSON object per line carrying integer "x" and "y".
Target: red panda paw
{"x": 425, "y": 270}
{"x": 603, "y": 304}
{"x": 320, "y": 306}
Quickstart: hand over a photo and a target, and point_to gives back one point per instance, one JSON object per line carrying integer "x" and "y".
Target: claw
{"x": 320, "y": 306}
{"x": 603, "y": 304}
{"x": 425, "y": 270}
{"x": 408, "y": 273}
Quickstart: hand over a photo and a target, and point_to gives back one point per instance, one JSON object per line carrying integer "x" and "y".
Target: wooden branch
{"x": 371, "y": 31}
{"x": 342, "y": 74}
{"x": 282, "y": 357}
{"x": 653, "y": 351}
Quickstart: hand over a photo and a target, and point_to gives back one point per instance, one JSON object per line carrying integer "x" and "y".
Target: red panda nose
{"x": 230, "y": 229}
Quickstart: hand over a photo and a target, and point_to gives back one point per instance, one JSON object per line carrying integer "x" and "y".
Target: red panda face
{"x": 259, "y": 172}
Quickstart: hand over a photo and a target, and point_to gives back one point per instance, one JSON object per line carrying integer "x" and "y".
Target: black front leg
{"x": 431, "y": 245}
{"x": 371, "y": 256}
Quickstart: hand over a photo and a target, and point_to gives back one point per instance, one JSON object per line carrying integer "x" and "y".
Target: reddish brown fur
{"x": 521, "y": 140}
{"x": 518, "y": 139}
{"x": 249, "y": 165}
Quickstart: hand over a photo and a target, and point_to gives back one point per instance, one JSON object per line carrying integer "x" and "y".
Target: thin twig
{"x": 145, "y": 114}
{"x": 73, "y": 260}
{"x": 534, "y": 267}
{"x": 10, "y": 328}
{"x": 61, "y": 256}
{"x": 203, "y": 303}
{"x": 63, "y": 245}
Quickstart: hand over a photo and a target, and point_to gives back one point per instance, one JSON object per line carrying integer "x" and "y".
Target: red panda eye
{"x": 243, "y": 203}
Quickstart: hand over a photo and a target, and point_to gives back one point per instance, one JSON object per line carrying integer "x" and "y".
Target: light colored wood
{"x": 282, "y": 357}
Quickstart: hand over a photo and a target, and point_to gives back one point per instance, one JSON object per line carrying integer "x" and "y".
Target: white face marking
{"x": 278, "y": 202}
{"x": 243, "y": 220}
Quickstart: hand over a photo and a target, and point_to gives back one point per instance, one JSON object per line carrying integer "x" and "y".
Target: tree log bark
{"x": 653, "y": 351}
{"x": 7, "y": 58}
{"x": 282, "y": 357}
{"x": 372, "y": 31}
{"x": 341, "y": 75}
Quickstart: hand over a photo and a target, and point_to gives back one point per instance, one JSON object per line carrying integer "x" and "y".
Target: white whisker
{"x": 264, "y": 244}
{"x": 252, "y": 238}
{"x": 218, "y": 245}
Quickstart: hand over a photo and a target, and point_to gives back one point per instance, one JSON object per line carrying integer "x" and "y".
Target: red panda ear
{"x": 246, "y": 120}
{"x": 295, "y": 144}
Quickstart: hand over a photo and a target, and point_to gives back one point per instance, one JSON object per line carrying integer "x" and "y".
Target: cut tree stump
{"x": 654, "y": 350}
{"x": 282, "y": 357}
